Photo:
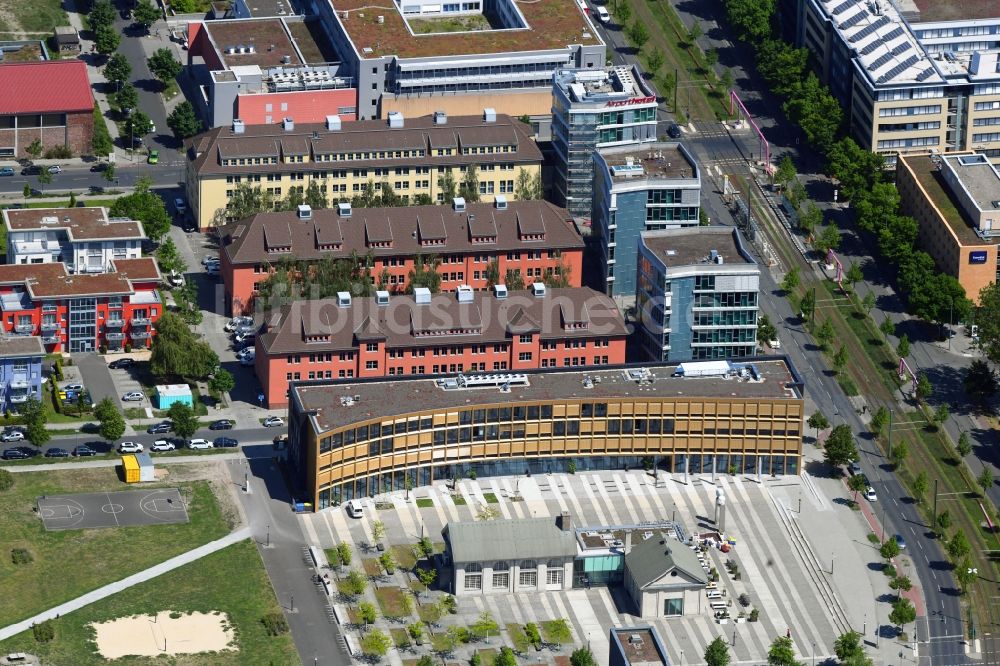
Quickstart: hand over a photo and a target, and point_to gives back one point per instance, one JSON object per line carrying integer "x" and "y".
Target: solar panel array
{"x": 926, "y": 74}
{"x": 843, "y": 7}
{"x": 898, "y": 69}
{"x": 880, "y": 22}
{"x": 870, "y": 49}
{"x": 886, "y": 57}
{"x": 854, "y": 20}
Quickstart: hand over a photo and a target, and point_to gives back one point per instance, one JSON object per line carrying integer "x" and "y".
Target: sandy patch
{"x": 149, "y": 636}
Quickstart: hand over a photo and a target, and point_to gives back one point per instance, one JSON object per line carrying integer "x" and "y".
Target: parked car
{"x": 133, "y": 396}
{"x": 180, "y": 206}
{"x": 854, "y": 467}
{"x": 56, "y": 452}
{"x": 674, "y": 132}
{"x": 162, "y": 445}
{"x": 31, "y": 170}
{"x": 121, "y": 363}
{"x": 84, "y": 450}
{"x": 130, "y": 447}
{"x": 246, "y": 352}
{"x": 900, "y": 541}
{"x": 210, "y": 259}
{"x": 870, "y": 494}
{"x": 249, "y": 359}
{"x": 245, "y": 337}
{"x": 212, "y": 270}
{"x": 160, "y": 428}
{"x": 99, "y": 167}
{"x": 73, "y": 387}
{"x": 221, "y": 424}
{"x": 273, "y": 422}
{"x": 236, "y": 322}
{"x": 12, "y": 436}
{"x": 154, "y": 155}
{"x": 354, "y": 509}
{"x": 16, "y": 453}
{"x": 7, "y": 171}
{"x": 603, "y": 16}
{"x": 55, "y": 168}
{"x": 188, "y": 226}
{"x": 225, "y": 442}
{"x": 175, "y": 279}
{"x": 199, "y": 444}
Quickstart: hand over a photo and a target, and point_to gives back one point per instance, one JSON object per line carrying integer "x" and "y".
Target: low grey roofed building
{"x": 488, "y": 540}
{"x": 664, "y": 577}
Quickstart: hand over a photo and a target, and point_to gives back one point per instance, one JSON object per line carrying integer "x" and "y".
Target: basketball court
{"x": 118, "y": 509}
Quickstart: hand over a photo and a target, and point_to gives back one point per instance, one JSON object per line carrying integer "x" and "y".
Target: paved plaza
{"x": 801, "y": 554}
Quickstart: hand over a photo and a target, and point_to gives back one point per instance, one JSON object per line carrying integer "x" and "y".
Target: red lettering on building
{"x": 631, "y": 101}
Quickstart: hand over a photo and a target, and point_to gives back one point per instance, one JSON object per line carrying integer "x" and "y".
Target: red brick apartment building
{"x": 532, "y": 238}
{"x": 50, "y": 101}
{"x": 421, "y": 334}
{"x": 82, "y": 312}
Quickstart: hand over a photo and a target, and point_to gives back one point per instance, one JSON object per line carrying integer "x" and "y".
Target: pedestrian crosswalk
{"x": 771, "y": 572}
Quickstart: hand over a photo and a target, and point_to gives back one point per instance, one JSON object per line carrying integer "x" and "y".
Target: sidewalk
{"x": 125, "y": 583}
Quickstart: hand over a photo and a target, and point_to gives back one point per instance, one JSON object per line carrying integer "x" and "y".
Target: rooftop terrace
{"x": 552, "y": 25}
{"x": 340, "y": 403}
{"x": 686, "y": 247}
{"x": 951, "y": 10}
{"x": 650, "y": 160}
{"x": 268, "y": 39}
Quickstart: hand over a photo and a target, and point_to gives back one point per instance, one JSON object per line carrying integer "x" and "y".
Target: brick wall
{"x": 77, "y": 134}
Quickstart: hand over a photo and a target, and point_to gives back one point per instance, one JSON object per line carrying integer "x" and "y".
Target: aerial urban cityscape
{"x": 500, "y": 332}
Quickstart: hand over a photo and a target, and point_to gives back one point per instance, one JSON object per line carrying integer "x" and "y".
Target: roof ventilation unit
{"x": 343, "y": 299}
{"x": 286, "y": 60}
{"x": 489, "y": 115}
{"x": 458, "y": 203}
{"x": 421, "y": 295}
{"x": 395, "y": 120}
{"x": 239, "y": 127}
{"x": 381, "y": 19}
{"x": 440, "y": 118}
{"x": 333, "y": 123}
{"x": 344, "y": 209}
{"x": 538, "y": 289}
{"x": 465, "y": 293}
{"x": 381, "y": 297}
{"x": 500, "y": 291}
{"x": 501, "y": 202}
{"x": 288, "y": 124}
{"x": 305, "y": 212}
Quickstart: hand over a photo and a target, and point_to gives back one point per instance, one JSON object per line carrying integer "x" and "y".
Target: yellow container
{"x": 131, "y": 467}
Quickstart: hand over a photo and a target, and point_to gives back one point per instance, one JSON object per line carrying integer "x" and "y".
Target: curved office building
{"x": 352, "y": 439}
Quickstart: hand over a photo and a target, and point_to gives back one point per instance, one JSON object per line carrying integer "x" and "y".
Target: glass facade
{"x": 82, "y": 324}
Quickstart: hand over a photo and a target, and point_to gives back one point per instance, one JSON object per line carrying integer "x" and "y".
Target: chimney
{"x": 628, "y": 542}
{"x": 565, "y": 522}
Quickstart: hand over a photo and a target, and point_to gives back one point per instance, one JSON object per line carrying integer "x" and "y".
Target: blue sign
{"x": 977, "y": 257}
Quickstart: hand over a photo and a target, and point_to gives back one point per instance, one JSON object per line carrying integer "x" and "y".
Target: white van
{"x": 603, "y": 16}
{"x": 354, "y": 509}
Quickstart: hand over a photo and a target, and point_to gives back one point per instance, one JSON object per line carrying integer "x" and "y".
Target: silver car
{"x": 133, "y": 396}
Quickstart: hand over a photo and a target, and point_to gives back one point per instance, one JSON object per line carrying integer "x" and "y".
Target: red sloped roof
{"x": 53, "y": 86}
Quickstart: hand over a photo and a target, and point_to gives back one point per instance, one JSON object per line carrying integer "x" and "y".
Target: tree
{"x": 559, "y": 631}
{"x": 111, "y": 420}
{"x": 33, "y": 414}
{"x": 183, "y": 419}
{"x": 782, "y": 652}
{"x": 941, "y": 414}
{"x": 638, "y": 33}
{"x": 118, "y": 69}
{"x": 785, "y": 171}
{"x": 887, "y": 327}
{"x": 903, "y": 612}
{"x": 448, "y": 187}
{"x": 527, "y": 186}
{"x": 711, "y": 57}
{"x": 924, "y": 387}
{"x": 513, "y": 280}
{"x": 222, "y": 382}
{"x": 900, "y": 583}
{"x": 145, "y": 14}
{"x": 138, "y": 125}
{"x": 943, "y": 522}
{"x": 854, "y": 274}
{"x": 183, "y": 121}
{"x": 716, "y": 654}
{"x": 829, "y": 239}
{"x": 810, "y": 218}
{"x": 148, "y": 208}
{"x": 898, "y": 454}
{"x": 584, "y": 657}
{"x": 840, "y": 448}
{"x": 427, "y": 576}
{"x": 424, "y": 274}
{"x": 44, "y": 178}
{"x": 988, "y": 321}
{"x": 880, "y": 419}
{"x": 985, "y": 479}
{"x": 889, "y": 549}
{"x": 903, "y": 348}
{"x": 163, "y": 65}
{"x": 375, "y": 643}
{"x": 367, "y": 613}
{"x": 387, "y": 562}
{"x": 920, "y": 485}
{"x": 751, "y": 18}
{"x": 469, "y": 188}
{"x": 247, "y": 200}
{"x": 958, "y": 547}
{"x": 110, "y": 172}
{"x": 505, "y": 658}
{"x": 694, "y": 32}
{"x": 315, "y": 198}
{"x": 817, "y": 422}
{"x": 856, "y": 484}
{"x": 127, "y": 97}
{"x": 354, "y": 583}
{"x": 825, "y": 334}
{"x": 344, "y": 553}
{"x": 807, "y": 306}
{"x": 106, "y": 40}
{"x": 34, "y": 149}
{"x": 980, "y": 382}
{"x": 765, "y": 330}
{"x": 169, "y": 257}
{"x": 177, "y": 353}
{"x": 378, "y": 531}
{"x": 102, "y": 13}
{"x": 726, "y": 79}
{"x": 840, "y": 359}
{"x": 654, "y": 60}
{"x": 868, "y": 302}
{"x": 484, "y": 625}
{"x": 848, "y": 646}
{"x": 791, "y": 280}
{"x": 964, "y": 445}
{"x": 966, "y": 574}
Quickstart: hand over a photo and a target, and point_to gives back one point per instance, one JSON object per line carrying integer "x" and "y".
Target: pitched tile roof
{"x": 443, "y": 321}
{"x": 141, "y": 269}
{"x": 90, "y": 223}
{"x": 49, "y": 281}
{"x": 52, "y": 86}
{"x": 265, "y": 236}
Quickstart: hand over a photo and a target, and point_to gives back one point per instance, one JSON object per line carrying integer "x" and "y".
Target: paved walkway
{"x": 113, "y": 462}
{"x": 125, "y": 583}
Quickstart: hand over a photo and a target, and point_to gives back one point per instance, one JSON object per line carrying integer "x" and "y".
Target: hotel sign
{"x": 977, "y": 257}
{"x": 632, "y": 101}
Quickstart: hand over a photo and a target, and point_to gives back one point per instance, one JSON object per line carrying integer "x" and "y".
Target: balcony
{"x": 139, "y": 335}
{"x": 24, "y": 329}
{"x": 50, "y": 325}
{"x": 140, "y": 321}
{"x": 52, "y": 339}
{"x": 18, "y": 396}
{"x": 115, "y": 322}
{"x": 114, "y": 337}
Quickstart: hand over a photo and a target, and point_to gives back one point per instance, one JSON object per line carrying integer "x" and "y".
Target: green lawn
{"x": 425, "y": 502}
{"x": 32, "y": 15}
{"x": 371, "y": 567}
{"x": 232, "y": 581}
{"x": 518, "y": 637}
{"x": 92, "y": 558}
{"x": 403, "y": 554}
{"x": 458, "y": 500}
{"x": 491, "y": 498}
{"x": 332, "y": 556}
{"x": 390, "y": 601}
{"x": 400, "y": 638}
